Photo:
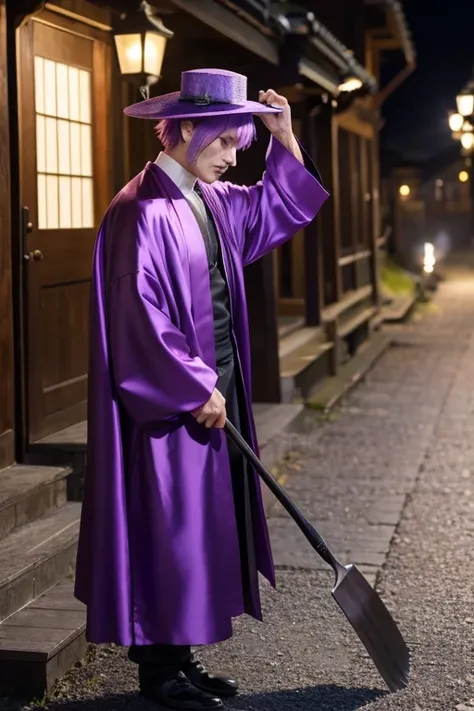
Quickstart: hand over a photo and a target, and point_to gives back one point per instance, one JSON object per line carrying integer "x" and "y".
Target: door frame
{"x": 103, "y": 43}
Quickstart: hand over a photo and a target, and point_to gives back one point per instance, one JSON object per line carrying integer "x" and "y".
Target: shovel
{"x": 359, "y": 602}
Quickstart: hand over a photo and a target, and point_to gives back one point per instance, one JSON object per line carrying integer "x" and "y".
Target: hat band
{"x": 206, "y": 100}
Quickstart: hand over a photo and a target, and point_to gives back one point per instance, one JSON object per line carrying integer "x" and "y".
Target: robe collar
{"x": 182, "y": 178}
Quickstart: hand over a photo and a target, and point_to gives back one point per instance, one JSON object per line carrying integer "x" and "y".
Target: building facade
{"x": 67, "y": 148}
{"x": 430, "y": 203}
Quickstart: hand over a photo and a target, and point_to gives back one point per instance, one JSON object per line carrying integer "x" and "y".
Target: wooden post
{"x": 354, "y": 171}
{"x": 313, "y": 276}
{"x": 326, "y": 156}
{"x": 7, "y": 436}
{"x": 375, "y": 230}
{"x": 260, "y": 289}
{"x": 263, "y": 326}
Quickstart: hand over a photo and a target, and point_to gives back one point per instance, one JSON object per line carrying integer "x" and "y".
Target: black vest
{"x": 219, "y": 293}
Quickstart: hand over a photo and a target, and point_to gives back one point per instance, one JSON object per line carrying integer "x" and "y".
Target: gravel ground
{"x": 390, "y": 483}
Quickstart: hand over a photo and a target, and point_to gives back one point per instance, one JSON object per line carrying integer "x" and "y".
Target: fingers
{"x": 213, "y": 413}
{"x": 216, "y": 421}
{"x": 272, "y": 98}
{"x": 214, "y": 417}
{"x": 220, "y": 422}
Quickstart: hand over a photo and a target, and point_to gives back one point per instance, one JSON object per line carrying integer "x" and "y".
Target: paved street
{"x": 389, "y": 480}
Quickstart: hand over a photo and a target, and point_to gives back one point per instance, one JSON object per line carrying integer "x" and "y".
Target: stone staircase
{"x": 305, "y": 358}
{"x": 42, "y": 625}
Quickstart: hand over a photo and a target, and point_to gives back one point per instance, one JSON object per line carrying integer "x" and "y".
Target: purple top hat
{"x": 204, "y": 92}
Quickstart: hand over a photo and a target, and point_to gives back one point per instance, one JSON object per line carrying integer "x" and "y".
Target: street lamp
{"x": 465, "y": 100}
{"x": 456, "y": 122}
{"x": 461, "y": 124}
{"x": 467, "y": 141}
{"x": 140, "y": 50}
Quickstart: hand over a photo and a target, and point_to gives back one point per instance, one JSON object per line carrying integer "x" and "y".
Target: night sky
{"x": 417, "y": 112}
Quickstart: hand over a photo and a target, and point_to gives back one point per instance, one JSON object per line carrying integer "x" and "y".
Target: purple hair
{"x": 207, "y": 129}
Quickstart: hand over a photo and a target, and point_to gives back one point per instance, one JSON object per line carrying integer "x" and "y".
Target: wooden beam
{"x": 84, "y": 11}
{"x": 297, "y": 243}
{"x": 291, "y": 307}
{"x": 377, "y": 33}
{"x": 325, "y": 155}
{"x": 365, "y": 196}
{"x": 356, "y": 257}
{"x": 260, "y": 290}
{"x": 264, "y": 29}
{"x": 398, "y": 79}
{"x": 350, "y": 299}
{"x": 313, "y": 257}
{"x": 350, "y": 121}
{"x": 388, "y": 43}
{"x": 73, "y": 25}
{"x": 6, "y": 300}
{"x": 354, "y": 168}
{"x": 7, "y": 449}
{"x": 263, "y": 326}
{"x": 231, "y": 26}
{"x": 375, "y": 222}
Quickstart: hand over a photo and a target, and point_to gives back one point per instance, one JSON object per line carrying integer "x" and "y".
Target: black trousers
{"x": 159, "y": 663}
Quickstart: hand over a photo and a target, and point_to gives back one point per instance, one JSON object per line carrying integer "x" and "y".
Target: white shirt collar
{"x": 181, "y": 177}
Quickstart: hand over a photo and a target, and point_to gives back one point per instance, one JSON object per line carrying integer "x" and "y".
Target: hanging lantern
{"x": 141, "y": 48}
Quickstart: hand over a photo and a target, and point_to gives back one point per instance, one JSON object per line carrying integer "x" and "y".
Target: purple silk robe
{"x": 158, "y": 559}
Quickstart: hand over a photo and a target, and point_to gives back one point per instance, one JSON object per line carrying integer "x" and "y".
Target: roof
{"x": 290, "y": 18}
{"x": 401, "y": 24}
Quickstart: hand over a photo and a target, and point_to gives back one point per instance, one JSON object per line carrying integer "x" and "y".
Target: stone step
{"x": 297, "y": 338}
{"x": 36, "y": 557}
{"x": 42, "y": 641}
{"x": 328, "y": 393}
{"x": 29, "y": 492}
{"x": 289, "y": 324}
{"x": 399, "y": 309}
{"x": 305, "y": 365}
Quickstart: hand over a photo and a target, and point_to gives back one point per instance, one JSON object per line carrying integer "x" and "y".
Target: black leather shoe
{"x": 179, "y": 693}
{"x": 221, "y": 686}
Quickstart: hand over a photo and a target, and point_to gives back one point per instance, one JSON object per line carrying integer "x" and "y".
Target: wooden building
{"x": 66, "y": 148}
{"x": 431, "y": 203}
{"x": 310, "y": 303}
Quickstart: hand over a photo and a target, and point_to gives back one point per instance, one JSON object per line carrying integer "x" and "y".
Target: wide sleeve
{"x": 156, "y": 376}
{"x": 287, "y": 199}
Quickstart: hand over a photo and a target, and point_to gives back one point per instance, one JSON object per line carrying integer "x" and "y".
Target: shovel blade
{"x": 375, "y": 627}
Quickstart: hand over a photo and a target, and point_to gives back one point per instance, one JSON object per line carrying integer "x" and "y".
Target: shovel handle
{"x": 315, "y": 539}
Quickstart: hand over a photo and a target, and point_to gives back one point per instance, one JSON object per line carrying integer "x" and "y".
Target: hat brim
{"x": 169, "y": 106}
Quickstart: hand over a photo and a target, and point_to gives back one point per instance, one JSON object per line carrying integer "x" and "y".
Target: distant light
{"x": 465, "y": 103}
{"x": 467, "y": 140}
{"x": 350, "y": 84}
{"x": 429, "y": 260}
{"x": 463, "y": 176}
{"x": 404, "y": 190}
{"x": 455, "y": 122}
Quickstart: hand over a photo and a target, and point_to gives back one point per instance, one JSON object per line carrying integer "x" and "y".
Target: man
{"x": 173, "y": 530}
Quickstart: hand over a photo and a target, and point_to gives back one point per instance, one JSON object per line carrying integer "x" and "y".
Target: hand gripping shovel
{"x": 359, "y": 602}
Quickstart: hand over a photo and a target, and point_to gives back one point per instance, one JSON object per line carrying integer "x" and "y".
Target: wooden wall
{"x": 6, "y": 307}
